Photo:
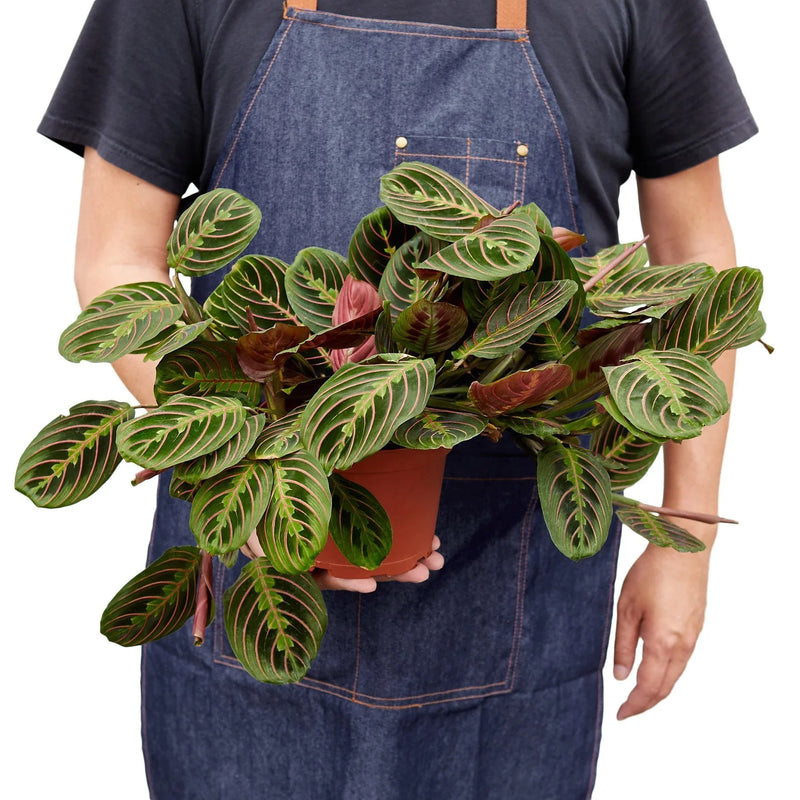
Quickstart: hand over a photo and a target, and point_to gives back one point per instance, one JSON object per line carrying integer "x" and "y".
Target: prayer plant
{"x": 448, "y": 319}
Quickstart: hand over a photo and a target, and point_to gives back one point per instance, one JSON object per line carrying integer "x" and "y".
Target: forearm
{"x": 122, "y": 233}
{"x": 686, "y": 229}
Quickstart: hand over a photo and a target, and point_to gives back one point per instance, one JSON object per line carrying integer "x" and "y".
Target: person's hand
{"x": 663, "y": 601}
{"x": 417, "y": 574}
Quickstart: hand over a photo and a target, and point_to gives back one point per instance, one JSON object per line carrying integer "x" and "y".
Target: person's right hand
{"x": 417, "y": 574}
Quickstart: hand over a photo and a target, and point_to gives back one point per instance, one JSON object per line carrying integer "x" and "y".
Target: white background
{"x": 70, "y": 709}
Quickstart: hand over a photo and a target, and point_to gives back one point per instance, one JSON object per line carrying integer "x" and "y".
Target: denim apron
{"x": 484, "y": 682}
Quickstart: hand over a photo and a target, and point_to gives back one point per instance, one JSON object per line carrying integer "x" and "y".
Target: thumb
{"x": 625, "y": 641}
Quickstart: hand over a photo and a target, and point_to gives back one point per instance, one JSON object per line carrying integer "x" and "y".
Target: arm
{"x": 663, "y": 597}
{"x": 123, "y": 228}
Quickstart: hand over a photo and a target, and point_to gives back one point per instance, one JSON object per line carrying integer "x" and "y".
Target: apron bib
{"x": 484, "y": 682}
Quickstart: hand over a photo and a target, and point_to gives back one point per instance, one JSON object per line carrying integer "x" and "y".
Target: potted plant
{"x": 448, "y": 319}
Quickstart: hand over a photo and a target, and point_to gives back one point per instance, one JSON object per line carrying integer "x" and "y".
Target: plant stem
{"x": 189, "y": 311}
{"x": 501, "y": 366}
{"x": 204, "y": 593}
{"x": 622, "y": 257}
{"x": 697, "y": 516}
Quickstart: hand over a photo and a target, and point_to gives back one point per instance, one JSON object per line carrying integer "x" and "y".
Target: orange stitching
{"x": 522, "y": 582}
{"x": 558, "y": 135}
{"x": 252, "y": 103}
{"x": 409, "y": 33}
{"x": 408, "y": 705}
{"x": 524, "y": 179}
{"x": 473, "y": 158}
{"x": 358, "y": 646}
{"x": 440, "y": 692}
{"x": 489, "y": 34}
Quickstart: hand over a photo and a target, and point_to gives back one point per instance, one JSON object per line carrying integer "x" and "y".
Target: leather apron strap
{"x": 510, "y": 13}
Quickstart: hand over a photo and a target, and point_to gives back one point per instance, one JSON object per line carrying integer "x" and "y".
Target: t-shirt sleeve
{"x": 685, "y": 102}
{"x": 131, "y": 90}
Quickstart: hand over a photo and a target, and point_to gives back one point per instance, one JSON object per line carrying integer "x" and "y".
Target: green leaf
{"x": 512, "y": 322}
{"x": 589, "y": 266}
{"x": 433, "y": 201}
{"x": 181, "y": 489}
{"x": 575, "y": 493}
{"x": 520, "y": 390}
{"x": 232, "y": 452}
{"x": 171, "y": 339}
{"x": 632, "y": 456}
{"x": 72, "y": 456}
{"x": 357, "y": 410}
{"x": 426, "y": 327}
{"x": 658, "y": 530}
{"x": 439, "y": 427}
{"x": 503, "y": 247}
{"x": 375, "y": 241}
{"x": 671, "y": 394}
{"x": 274, "y": 622}
{"x": 280, "y": 437}
{"x": 555, "y": 337}
{"x": 653, "y": 289}
{"x": 213, "y": 231}
{"x": 538, "y": 216}
{"x": 181, "y": 429}
{"x": 254, "y": 282}
{"x": 755, "y": 329}
{"x": 157, "y": 602}
{"x": 400, "y": 283}
{"x": 119, "y": 321}
{"x": 295, "y": 527}
{"x": 359, "y": 524}
{"x": 227, "y": 507}
{"x": 481, "y": 297}
{"x": 313, "y": 283}
{"x": 716, "y": 316}
{"x": 205, "y": 368}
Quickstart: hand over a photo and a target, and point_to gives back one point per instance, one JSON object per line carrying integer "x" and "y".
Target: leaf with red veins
{"x": 261, "y": 354}
{"x": 568, "y": 239}
{"x": 358, "y": 302}
{"x": 520, "y": 390}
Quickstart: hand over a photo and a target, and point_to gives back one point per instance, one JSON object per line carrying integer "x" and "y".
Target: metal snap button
{"x": 401, "y": 142}
{"x": 522, "y": 150}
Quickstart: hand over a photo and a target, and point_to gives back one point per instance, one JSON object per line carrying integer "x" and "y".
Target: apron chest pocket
{"x": 494, "y": 169}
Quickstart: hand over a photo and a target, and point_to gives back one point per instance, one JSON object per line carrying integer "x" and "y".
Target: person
{"x": 483, "y": 680}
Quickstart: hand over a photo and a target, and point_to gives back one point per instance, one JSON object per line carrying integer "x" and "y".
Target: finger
{"x": 626, "y": 639}
{"x": 417, "y": 574}
{"x": 650, "y": 678}
{"x": 325, "y": 580}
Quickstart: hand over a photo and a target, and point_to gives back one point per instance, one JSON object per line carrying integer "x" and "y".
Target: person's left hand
{"x": 663, "y": 601}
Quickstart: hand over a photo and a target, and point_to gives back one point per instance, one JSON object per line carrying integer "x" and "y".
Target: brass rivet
{"x": 522, "y": 150}
{"x": 401, "y": 142}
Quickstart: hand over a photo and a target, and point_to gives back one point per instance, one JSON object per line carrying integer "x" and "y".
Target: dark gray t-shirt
{"x": 642, "y": 84}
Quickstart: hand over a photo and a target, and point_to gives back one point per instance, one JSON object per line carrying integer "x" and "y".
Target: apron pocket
{"x": 494, "y": 169}
{"x": 454, "y": 637}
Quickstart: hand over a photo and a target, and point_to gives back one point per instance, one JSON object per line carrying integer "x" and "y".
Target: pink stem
{"x": 711, "y": 519}
{"x": 622, "y": 257}
{"x": 204, "y": 592}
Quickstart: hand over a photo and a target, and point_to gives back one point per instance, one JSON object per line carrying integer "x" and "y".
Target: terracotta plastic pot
{"x": 408, "y": 484}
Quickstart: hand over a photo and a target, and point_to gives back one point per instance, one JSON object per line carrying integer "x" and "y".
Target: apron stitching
{"x": 411, "y": 33}
{"x": 558, "y": 135}
{"x": 346, "y": 693}
{"x": 516, "y": 178}
{"x": 408, "y": 705}
{"x": 599, "y": 717}
{"x": 524, "y": 179}
{"x": 471, "y": 157}
{"x": 522, "y": 580}
{"x": 252, "y": 103}
{"x": 358, "y": 646}
{"x": 469, "y": 148}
